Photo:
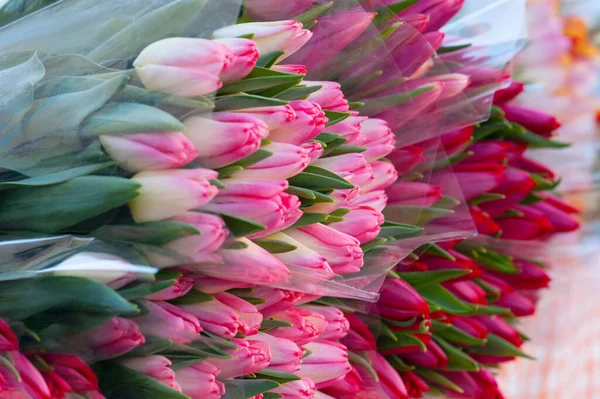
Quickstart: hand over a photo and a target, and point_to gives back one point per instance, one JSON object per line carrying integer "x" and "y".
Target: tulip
{"x": 168, "y": 321}
{"x": 496, "y": 325}
{"x": 341, "y": 199}
{"x": 8, "y": 339}
{"x": 306, "y": 325}
{"x": 488, "y": 151}
{"x": 248, "y": 358}
{"x": 213, "y": 285}
{"x": 439, "y": 11}
{"x": 560, "y": 220}
{"x": 184, "y": 67}
{"x": 342, "y": 251}
{"x": 471, "y": 326}
{"x": 509, "y": 93}
{"x": 532, "y": 225}
{"x": 300, "y": 389}
{"x": 363, "y": 223}
{"x": 246, "y": 55}
{"x": 275, "y": 10}
{"x": 515, "y": 186}
{"x": 303, "y": 257}
{"x": 314, "y": 149}
{"x": 349, "y": 386}
{"x": 450, "y": 142}
{"x": 275, "y": 300}
{"x": 287, "y": 36}
{"x": 377, "y": 138}
{"x": 149, "y": 151}
{"x": 287, "y": 160}
{"x": 531, "y": 119}
{"x": 199, "y": 247}
{"x": 404, "y": 193}
{"x": 329, "y": 96}
{"x": 32, "y": 380}
{"x": 531, "y": 166}
{"x": 474, "y": 179}
{"x": 274, "y": 117}
{"x": 182, "y": 286}
{"x": 460, "y": 261}
{"x": 310, "y": 123}
{"x": 262, "y": 201}
{"x": 337, "y": 324}
{"x": 71, "y": 370}
{"x": 295, "y": 69}
{"x": 373, "y": 199}
{"x": 249, "y": 262}
{"x": 520, "y": 305}
{"x": 467, "y": 291}
{"x": 286, "y": 356}
{"x": 154, "y": 366}
{"x": 225, "y": 137}
{"x": 472, "y": 385}
{"x": 250, "y": 318}
{"x": 415, "y": 386}
{"x": 390, "y": 380}
{"x": 399, "y": 301}
{"x": 167, "y": 193}
{"x": 384, "y": 175}
{"x": 349, "y": 129}
{"x": 326, "y": 364}
{"x": 111, "y": 339}
{"x": 352, "y": 167}
{"x": 434, "y": 357}
{"x": 485, "y": 77}
{"x": 359, "y": 338}
{"x": 484, "y": 222}
{"x": 406, "y": 158}
{"x": 531, "y": 276}
{"x": 199, "y": 381}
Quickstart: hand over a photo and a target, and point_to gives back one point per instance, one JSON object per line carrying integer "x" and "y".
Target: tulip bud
{"x": 149, "y": 151}
{"x": 8, "y": 340}
{"x": 470, "y": 388}
{"x": 414, "y": 385}
{"x": 460, "y": 261}
{"x": 450, "y": 142}
{"x": 377, "y": 138}
{"x": 300, "y": 389}
{"x": 31, "y": 379}
{"x": 310, "y": 123}
{"x": 167, "y": 193}
{"x": 483, "y": 222}
{"x": 184, "y": 67}
{"x": 515, "y": 186}
{"x": 467, "y": 291}
{"x": 295, "y": 69}
{"x": 168, "y": 321}
{"x": 250, "y": 318}
{"x": 530, "y": 225}
{"x": 225, "y": 137}
{"x": 406, "y": 193}
{"x": 199, "y": 247}
{"x": 560, "y": 220}
{"x": 363, "y": 223}
{"x": 352, "y": 167}
{"x": 69, "y": 374}
{"x": 489, "y": 151}
{"x": 182, "y": 285}
{"x": 337, "y": 324}
{"x": 531, "y": 276}
{"x": 155, "y": 366}
{"x": 275, "y": 10}
{"x": 531, "y": 166}
{"x": 509, "y": 93}
{"x": 287, "y": 160}
{"x": 399, "y": 301}
{"x": 531, "y": 119}
{"x": 248, "y": 358}
{"x": 390, "y": 380}
{"x": 343, "y": 252}
{"x": 439, "y": 11}
{"x": 359, "y": 337}
{"x": 314, "y": 149}
{"x": 384, "y": 175}
{"x": 406, "y": 158}
{"x": 329, "y": 96}
{"x": 285, "y": 36}
{"x": 111, "y": 339}
{"x": 326, "y": 364}
{"x": 246, "y": 55}
{"x": 275, "y": 300}
{"x": 199, "y": 381}
{"x": 306, "y": 325}
{"x": 274, "y": 117}
{"x": 286, "y": 356}
{"x": 433, "y": 358}
{"x": 520, "y": 305}
{"x": 496, "y": 325}
{"x": 304, "y": 258}
{"x": 374, "y": 199}
{"x": 474, "y": 179}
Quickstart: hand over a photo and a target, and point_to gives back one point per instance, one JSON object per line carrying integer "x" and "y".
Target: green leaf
{"x": 403, "y": 339}
{"x": 277, "y": 376}
{"x": 297, "y": 92}
{"x": 454, "y": 335}
{"x": 534, "y": 140}
{"x": 543, "y": 184}
{"x": 319, "y": 198}
{"x": 272, "y": 395}
{"x": 436, "y": 250}
{"x": 491, "y": 310}
{"x": 194, "y": 296}
{"x": 487, "y": 197}
{"x": 261, "y": 78}
{"x": 134, "y": 94}
{"x": 458, "y": 359}
{"x": 23, "y": 298}
{"x": 447, "y": 202}
{"x": 439, "y": 296}
{"x": 58, "y": 177}
{"x": 269, "y": 324}
{"x": 243, "y": 101}
{"x": 152, "y": 346}
{"x": 240, "y": 227}
{"x": 492, "y": 126}
{"x": 52, "y": 208}
{"x": 366, "y": 247}
{"x": 275, "y": 246}
{"x": 379, "y": 104}
{"x": 269, "y": 59}
{"x": 318, "y": 181}
{"x": 497, "y": 346}
{"x": 301, "y": 192}
{"x": 399, "y": 230}
{"x": 391, "y": 10}
{"x": 333, "y": 145}
{"x": 310, "y": 218}
{"x": 245, "y": 389}
{"x": 433, "y": 277}
{"x": 252, "y": 159}
{"x": 327, "y": 137}
{"x": 399, "y": 365}
{"x": 314, "y": 13}
{"x": 119, "y": 382}
{"x": 347, "y": 149}
{"x": 145, "y": 289}
{"x": 438, "y": 379}
{"x": 450, "y": 49}
{"x": 54, "y": 325}
{"x": 153, "y": 233}
{"x": 336, "y": 117}
{"x": 228, "y": 171}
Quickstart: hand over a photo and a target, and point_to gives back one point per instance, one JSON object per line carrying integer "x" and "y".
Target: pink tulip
{"x": 169, "y": 321}
{"x": 247, "y": 263}
{"x": 531, "y": 119}
{"x": 390, "y": 380}
{"x": 408, "y": 193}
{"x": 155, "y": 366}
{"x": 199, "y": 247}
{"x": 199, "y": 381}
{"x": 249, "y": 357}
{"x": 520, "y": 305}
{"x": 246, "y": 55}
{"x": 337, "y": 324}
{"x": 287, "y": 36}
{"x": 213, "y": 285}
{"x": 352, "y": 167}
{"x": 310, "y": 123}
{"x": 329, "y": 96}
{"x": 274, "y": 117}
{"x": 532, "y": 225}
{"x": 314, "y": 149}
{"x": 184, "y": 67}
{"x": 384, "y": 175}
{"x": 306, "y": 325}
{"x": 359, "y": 337}
{"x": 167, "y": 193}
{"x": 295, "y": 69}
{"x": 406, "y": 158}
{"x": 269, "y": 10}
{"x": 31, "y": 379}
{"x": 182, "y": 286}
{"x": 8, "y": 339}
{"x": 250, "y": 318}
{"x": 342, "y": 251}
{"x": 326, "y": 364}
{"x": 286, "y": 356}
{"x": 303, "y": 258}
{"x": 433, "y": 358}
{"x": 515, "y": 186}
{"x": 275, "y": 300}
{"x": 149, "y": 151}
{"x": 111, "y": 339}
{"x": 300, "y": 389}
{"x": 341, "y": 199}
{"x": 287, "y": 160}
{"x": 349, "y": 129}
{"x": 399, "y": 301}
{"x": 225, "y": 137}
{"x": 375, "y": 199}
{"x": 377, "y": 138}
{"x": 363, "y": 223}
{"x": 421, "y": 51}
{"x": 482, "y": 76}
{"x": 474, "y": 179}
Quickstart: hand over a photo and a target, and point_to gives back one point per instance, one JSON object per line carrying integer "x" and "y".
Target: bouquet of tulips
{"x": 274, "y": 199}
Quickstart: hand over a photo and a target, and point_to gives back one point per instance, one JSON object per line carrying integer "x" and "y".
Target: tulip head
{"x": 326, "y": 364}
{"x": 199, "y": 381}
{"x": 169, "y": 322}
{"x": 154, "y": 366}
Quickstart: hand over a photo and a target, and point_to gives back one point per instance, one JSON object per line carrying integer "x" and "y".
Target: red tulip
{"x": 471, "y": 326}
{"x": 399, "y": 301}
{"x": 461, "y": 261}
{"x": 531, "y": 119}
{"x": 414, "y": 385}
{"x": 518, "y": 304}
{"x": 439, "y": 11}
{"x": 390, "y": 380}
{"x": 554, "y": 210}
{"x": 474, "y": 179}
{"x": 531, "y": 166}
{"x": 8, "y": 340}
{"x": 484, "y": 222}
{"x": 488, "y": 151}
{"x": 496, "y": 325}
{"x": 406, "y": 158}
{"x": 515, "y": 186}
{"x": 434, "y": 357}
{"x": 531, "y": 225}
{"x": 359, "y": 337}
{"x": 467, "y": 291}
{"x": 531, "y": 276}
{"x": 509, "y": 93}
{"x": 31, "y": 379}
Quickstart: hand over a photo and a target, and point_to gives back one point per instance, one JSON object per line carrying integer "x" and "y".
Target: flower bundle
{"x": 194, "y": 217}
